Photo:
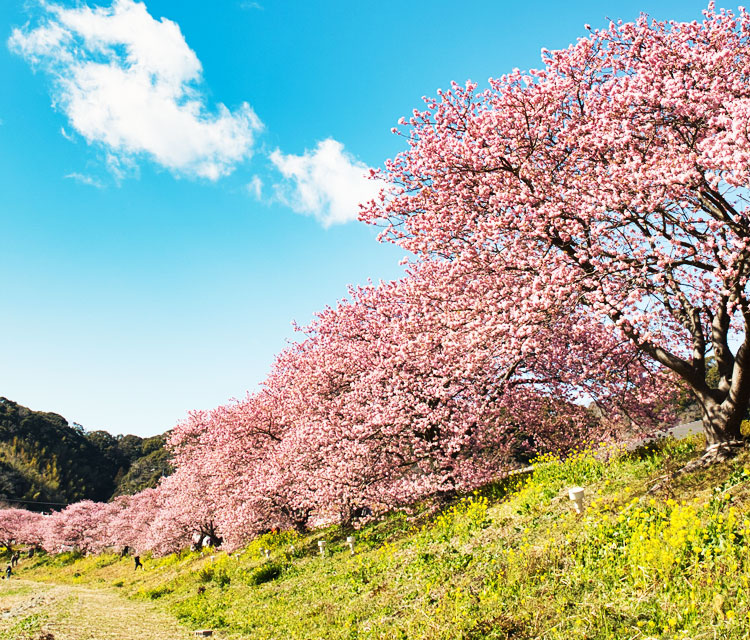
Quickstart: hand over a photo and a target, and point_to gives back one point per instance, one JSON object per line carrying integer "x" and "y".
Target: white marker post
{"x": 268, "y": 553}
{"x": 322, "y": 547}
{"x": 350, "y": 542}
{"x": 576, "y": 495}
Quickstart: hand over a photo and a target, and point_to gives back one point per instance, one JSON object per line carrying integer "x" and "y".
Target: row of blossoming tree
{"x": 580, "y": 235}
{"x": 421, "y": 387}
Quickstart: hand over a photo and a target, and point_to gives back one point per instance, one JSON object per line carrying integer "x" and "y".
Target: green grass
{"x": 27, "y": 628}
{"x": 511, "y": 561}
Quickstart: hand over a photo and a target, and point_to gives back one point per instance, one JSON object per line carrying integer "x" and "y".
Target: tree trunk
{"x": 721, "y": 425}
{"x": 298, "y": 517}
{"x": 209, "y": 530}
{"x": 721, "y": 422}
{"x": 300, "y": 526}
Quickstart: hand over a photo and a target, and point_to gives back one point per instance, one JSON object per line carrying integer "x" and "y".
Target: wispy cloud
{"x": 328, "y": 182}
{"x": 82, "y": 178}
{"x": 255, "y": 187}
{"x": 248, "y": 4}
{"x": 131, "y": 84}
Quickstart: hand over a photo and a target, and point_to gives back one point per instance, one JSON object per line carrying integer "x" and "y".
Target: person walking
{"x": 137, "y": 563}
{"x": 8, "y": 572}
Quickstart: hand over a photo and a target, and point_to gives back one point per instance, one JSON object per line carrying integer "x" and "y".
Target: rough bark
{"x": 722, "y": 421}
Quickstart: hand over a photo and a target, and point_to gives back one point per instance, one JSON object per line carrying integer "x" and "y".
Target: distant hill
{"x": 45, "y": 462}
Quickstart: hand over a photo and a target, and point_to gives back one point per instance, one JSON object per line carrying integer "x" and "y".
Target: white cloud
{"x": 85, "y": 179}
{"x": 37, "y": 45}
{"x": 131, "y": 84}
{"x": 328, "y": 183}
{"x": 255, "y": 187}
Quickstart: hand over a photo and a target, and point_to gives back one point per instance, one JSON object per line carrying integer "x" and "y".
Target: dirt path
{"x": 38, "y": 611}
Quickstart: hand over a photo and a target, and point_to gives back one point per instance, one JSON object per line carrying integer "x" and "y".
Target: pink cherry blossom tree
{"x": 418, "y": 387}
{"x": 235, "y": 454}
{"x": 81, "y": 526}
{"x": 131, "y": 518}
{"x": 424, "y": 385}
{"x": 613, "y": 179}
{"x": 19, "y": 526}
{"x": 184, "y": 509}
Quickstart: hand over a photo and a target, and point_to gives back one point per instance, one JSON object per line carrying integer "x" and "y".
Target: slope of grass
{"x": 512, "y": 561}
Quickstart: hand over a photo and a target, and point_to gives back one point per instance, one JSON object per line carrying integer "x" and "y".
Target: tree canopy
{"x": 614, "y": 179}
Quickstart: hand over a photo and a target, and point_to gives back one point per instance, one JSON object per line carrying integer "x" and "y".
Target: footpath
{"x": 40, "y": 611}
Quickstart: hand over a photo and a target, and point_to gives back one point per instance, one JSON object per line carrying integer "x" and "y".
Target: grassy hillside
{"x": 44, "y": 459}
{"x": 513, "y": 561}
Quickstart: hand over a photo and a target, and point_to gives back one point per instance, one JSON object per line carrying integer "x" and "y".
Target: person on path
{"x": 15, "y": 558}
{"x": 137, "y": 563}
{"x": 8, "y": 572}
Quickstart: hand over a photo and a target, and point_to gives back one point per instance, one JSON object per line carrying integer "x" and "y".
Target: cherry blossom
{"x": 614, "y": 179}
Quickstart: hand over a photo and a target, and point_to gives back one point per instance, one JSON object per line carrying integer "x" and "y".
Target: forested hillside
{"x": 45, "y": 462}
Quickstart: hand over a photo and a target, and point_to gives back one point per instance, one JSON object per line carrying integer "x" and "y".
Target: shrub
{"x": 206, "y": 574}
{"x": 66, "y": 558}
{"x": 264, "y": 573}
{"x": 221, "y": 577}
{"x": 158, "y": 592}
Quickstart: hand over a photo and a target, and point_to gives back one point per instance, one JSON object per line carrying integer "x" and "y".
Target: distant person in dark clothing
{"x": 137, "y": 563}
{"x": 8, "y": 572}
{"x": 125, "y": 551}
{"x": 15, "y": 558}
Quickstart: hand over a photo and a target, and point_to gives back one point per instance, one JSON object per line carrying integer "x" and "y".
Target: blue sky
{"x": 178, "y": 179}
